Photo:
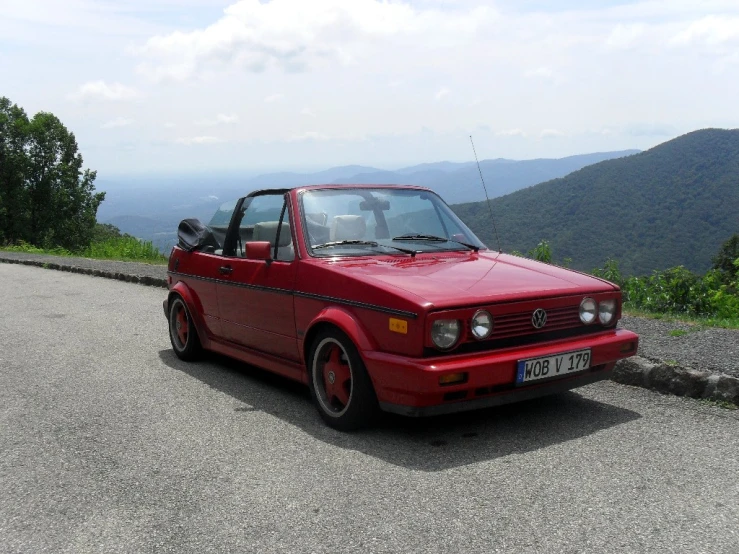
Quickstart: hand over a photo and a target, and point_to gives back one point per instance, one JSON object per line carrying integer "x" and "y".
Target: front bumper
{"x": 410, "y": 386}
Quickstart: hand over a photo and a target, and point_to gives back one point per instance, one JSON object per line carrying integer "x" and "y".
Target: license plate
{"x": 547, "y": 367}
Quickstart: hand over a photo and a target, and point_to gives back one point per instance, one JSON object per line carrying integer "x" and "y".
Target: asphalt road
{"x": 109, "y": 444}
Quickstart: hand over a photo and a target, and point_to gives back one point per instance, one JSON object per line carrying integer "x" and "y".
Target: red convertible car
{"x": 380, "y": 298}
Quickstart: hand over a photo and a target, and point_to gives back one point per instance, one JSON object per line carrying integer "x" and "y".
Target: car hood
{"x": 453, "y": 279}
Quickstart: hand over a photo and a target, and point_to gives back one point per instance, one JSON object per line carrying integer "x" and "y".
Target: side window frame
{"x": 229, "y": 245}
{"x": 233, "y": 235}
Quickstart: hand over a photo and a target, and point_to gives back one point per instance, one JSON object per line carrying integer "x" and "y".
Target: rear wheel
{"x": 339, "y": 383}
{"x": 182, "y": 332}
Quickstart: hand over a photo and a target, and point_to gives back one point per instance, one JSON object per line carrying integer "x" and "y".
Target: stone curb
{"x": 138, "y": 279}
{"x": 680, "y": 381}
{"x": 635, "y": 371}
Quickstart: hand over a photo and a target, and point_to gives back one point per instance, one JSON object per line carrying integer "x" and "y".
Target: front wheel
{"x": 182, "y": 332}
{"x": 339, "y": 384}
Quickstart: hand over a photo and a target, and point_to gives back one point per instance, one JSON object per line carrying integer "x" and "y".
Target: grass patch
{"x": 708, "y": 321}
{"x": 125, "y": 248}
{"x": 677, "y": 333}
{"x": 725, "y": 404}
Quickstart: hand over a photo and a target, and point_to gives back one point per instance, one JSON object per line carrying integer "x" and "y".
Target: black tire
{"x": 339, "y": 384}
{"x": 182, "y": 332}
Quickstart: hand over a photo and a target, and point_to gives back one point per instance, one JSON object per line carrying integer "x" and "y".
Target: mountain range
{"x": 151, "y": 207}
{"x": 674, "y": 204}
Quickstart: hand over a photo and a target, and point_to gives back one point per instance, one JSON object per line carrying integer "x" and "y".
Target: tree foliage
{"x": 727, "y": 258}
{"x": 46, "y": 198}
{"x": 679, "y": 291}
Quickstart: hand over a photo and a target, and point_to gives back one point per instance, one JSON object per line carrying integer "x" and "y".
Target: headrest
{"x": 348, "y": 227}
{"x": 267, "y": 230}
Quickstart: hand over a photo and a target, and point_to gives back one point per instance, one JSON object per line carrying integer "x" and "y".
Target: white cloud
{"x": 220, "y": 119}
{"x": 100, "y": 90}
{"x": 625, "y": 36}
{"x": 551, "y": 133}
{"x": 274, "y": 97}
{"x": 294, "y": 35}
{"x": 308, "y": 112}
{"x": 117, "y": 122}
{"x": 711, "y": 30}
{"x": 539, "y": 73}
{"x": 199, "y": 140}
{"x": 512, "y": 133}
{"x": 442, "y": 93}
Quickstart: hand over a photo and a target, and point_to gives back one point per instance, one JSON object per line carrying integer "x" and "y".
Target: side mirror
{"x": 258, "y": 250}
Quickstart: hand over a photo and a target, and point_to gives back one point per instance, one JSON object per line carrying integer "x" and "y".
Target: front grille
{"x": 518, "y": 340}
{"x": 517, "y": 324}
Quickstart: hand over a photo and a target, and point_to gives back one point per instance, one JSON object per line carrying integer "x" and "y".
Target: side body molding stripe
{"x": 311, "y": 296}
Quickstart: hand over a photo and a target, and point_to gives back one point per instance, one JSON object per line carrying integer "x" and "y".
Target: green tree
{"x": 106, "y": 231}
{"x": 46, "y": 198}
{"x": 14, "y": 200}
{"x": 541, "y": 252}
{"x": 728, "y": 254}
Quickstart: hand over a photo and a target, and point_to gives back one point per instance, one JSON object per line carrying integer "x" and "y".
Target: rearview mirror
{"x": 374, "y": 204}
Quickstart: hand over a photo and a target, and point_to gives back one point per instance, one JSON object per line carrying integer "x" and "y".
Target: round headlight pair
{"x": 605, "y": 311}
{"x": 445, "y": 332}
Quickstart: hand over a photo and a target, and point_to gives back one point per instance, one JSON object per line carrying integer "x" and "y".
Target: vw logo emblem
{"x": 331, "y": 377}
{"x": 539, "y": 319}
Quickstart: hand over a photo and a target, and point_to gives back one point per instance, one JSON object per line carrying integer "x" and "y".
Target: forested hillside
{"x": 672, "y": 205}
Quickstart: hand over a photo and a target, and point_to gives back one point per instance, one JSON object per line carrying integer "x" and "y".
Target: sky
{"x": 249, "y": 85}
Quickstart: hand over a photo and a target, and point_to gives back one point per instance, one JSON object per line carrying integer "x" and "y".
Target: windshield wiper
{"x": 434, "y": 238}
{"x": 345, "y": 243}
{"x": 363, "y": 243}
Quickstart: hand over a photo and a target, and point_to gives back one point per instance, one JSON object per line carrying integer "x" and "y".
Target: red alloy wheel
{"x": 182, "y": 332}
{"x": 337, "y": 376}
{"x": 339, "y": 383}
{"x": 333, "y": 377}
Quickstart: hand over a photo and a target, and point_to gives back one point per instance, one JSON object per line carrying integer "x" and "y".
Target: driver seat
{"x": 348, "y": 227}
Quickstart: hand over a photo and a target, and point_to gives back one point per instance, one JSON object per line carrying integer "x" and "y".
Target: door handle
{"x": 225, "y": 270}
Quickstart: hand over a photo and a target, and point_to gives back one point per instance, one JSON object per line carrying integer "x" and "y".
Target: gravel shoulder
{"x": 711, "y": 350}
{"x": 700, "y": 348}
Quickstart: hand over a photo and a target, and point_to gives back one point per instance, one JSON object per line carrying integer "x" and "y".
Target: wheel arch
{"x": 193, "y": 306}
{"x": 347, "y": 323}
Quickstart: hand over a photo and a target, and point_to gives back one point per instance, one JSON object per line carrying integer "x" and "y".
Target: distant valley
{"x": 150, "y": 208}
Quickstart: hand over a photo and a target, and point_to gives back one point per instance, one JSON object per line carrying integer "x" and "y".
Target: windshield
{"x": 373, "y": 221}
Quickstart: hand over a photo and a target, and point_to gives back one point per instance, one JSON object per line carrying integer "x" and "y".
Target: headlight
{"x": 588, "y": 310}
{"x": 606, "y": 311}
{"x": 482, "y": 324}
{"x": 445, "y": 332}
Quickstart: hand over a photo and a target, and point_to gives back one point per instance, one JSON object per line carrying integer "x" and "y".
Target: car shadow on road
{"x": 425, "y": 444}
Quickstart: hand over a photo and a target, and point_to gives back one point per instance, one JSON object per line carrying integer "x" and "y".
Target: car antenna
{"x": 487, "y": 198}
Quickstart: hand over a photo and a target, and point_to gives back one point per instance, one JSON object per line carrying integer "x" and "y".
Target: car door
{"x": 255, "y": 297}
{"x": 201, "y": 268}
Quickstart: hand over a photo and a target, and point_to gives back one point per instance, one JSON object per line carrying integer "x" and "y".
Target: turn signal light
{"x": 453, "y": 379}
{"x": 627, "y": 347}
